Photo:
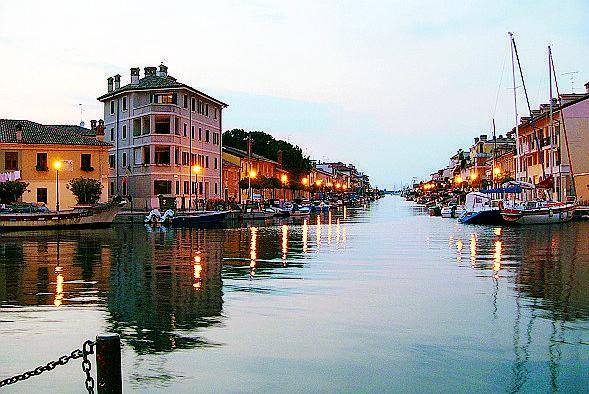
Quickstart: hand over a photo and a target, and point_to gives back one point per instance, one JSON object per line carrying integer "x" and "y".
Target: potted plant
{"x": 86, "y": 190}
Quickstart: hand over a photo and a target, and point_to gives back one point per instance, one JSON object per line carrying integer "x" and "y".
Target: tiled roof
{"x": 155, "y": 82}
{"x": 242, "y": 153}
{"x": 36, "y": 133}
{"x": 74, "y": 128}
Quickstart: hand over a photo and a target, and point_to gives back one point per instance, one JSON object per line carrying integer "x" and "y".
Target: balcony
{"x": 157, "y": 108}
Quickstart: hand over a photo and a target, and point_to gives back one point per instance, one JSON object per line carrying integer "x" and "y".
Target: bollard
{"x": 108, "y": 360}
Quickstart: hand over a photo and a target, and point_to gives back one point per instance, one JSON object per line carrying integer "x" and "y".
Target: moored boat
{"x": 480, "y": 209}
{"x": 82, "y": 216}
{"x": 539, "y": 212}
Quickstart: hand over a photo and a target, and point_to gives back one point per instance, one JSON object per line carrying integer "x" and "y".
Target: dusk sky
{"x": 394, "y": 87}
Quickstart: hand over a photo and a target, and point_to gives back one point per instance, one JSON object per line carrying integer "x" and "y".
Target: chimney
{"x": 93, "y": 125}
{"x": 149, "y": 71}
{"x": 476, "y": 140}
{"x": 109, "y": 83}
{"x": 100, "y": 130}
{"x": 18, "y": 132}
{"x": 483, "y": 137}
{"x": 117, "y": 81}
{"x": 135, "y": 75}
{"x": 163, "y": 72}
{"x": 279, "y": 157}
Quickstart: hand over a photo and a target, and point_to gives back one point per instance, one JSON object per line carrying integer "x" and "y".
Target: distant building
{"x": 28, "y": 151}
{"x": 159, "y": 129}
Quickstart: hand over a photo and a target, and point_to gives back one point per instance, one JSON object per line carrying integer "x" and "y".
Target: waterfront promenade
{"x": 378, "y": 298}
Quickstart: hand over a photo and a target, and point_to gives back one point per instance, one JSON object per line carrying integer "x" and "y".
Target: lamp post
{"x": 195, "y": 170}
{"x": 57, "y": 165}
{"x": 305, "y": 181}
{"x": 284, "y": 179}
{"x": 251, "y": 175}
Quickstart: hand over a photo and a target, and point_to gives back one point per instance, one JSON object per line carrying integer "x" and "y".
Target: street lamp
{"x": 252, "y": 174}
{"x": 283, "y": 179}
{"x": 57, "y": 165}
{"x": 195, "y": 170}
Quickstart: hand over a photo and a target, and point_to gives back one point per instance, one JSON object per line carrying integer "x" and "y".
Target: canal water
{"x": 381, "y": 298}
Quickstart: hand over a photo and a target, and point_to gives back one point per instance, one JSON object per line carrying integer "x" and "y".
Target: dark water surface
{"x": 382, "y": 298}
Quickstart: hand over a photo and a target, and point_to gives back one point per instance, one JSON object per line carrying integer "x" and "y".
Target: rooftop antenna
{"x": 81, "y": 115}
{"x": 571, "y": 75}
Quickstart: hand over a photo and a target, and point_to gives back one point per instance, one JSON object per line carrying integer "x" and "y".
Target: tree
{"x": 11, "y": 191}
{"x": 263, "y": 144}
{"x": 86, "y": 190}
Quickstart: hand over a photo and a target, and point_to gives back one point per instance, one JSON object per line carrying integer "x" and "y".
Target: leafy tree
{"x": 11, "y": 191}
{"x": 263, "y": 144}
{"x": 86, "y": 190}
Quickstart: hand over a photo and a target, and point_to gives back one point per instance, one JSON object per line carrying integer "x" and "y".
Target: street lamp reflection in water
{"x": 58, "y": 287}
{"x": 305, "y": 235}
{"x": 318, "y": 232}
{"x": 473, "y": 249}
{"x": 253, "y": 250}
{"x": 497, "y": 258}
{"x": 197, "y": 271}
{"x": 284, "y": 243}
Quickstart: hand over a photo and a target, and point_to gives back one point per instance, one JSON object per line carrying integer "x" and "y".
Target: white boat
{"x": 452, "y": 211}
{"x": 300, "y": 211}
{"x": 539, "y": 212}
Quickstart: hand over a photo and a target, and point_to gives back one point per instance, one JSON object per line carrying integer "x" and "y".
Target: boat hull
{"x": 491, "y": 216}
{"x": 101, "y": 216}
{"x": 539, "y": 216}
{"x": 204, "y": 219}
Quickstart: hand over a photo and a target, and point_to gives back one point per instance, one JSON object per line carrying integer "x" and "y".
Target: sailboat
{"x": 539, "y": 211}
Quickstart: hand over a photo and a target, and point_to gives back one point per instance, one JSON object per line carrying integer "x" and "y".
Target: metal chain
{"x": 87, "y": 348}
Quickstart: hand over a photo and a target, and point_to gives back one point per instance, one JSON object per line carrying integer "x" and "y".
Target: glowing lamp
{"x": 196, "y": 169}
{"x": 283, "y": 178}
{"x": 57, "y": 164}
{"x": 253, "y": 174}
{"x": 305, "y": 181}
{"x": 458, "y": 179}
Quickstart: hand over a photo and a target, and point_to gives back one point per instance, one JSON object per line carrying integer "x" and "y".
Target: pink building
{"x": 160, "y": 128}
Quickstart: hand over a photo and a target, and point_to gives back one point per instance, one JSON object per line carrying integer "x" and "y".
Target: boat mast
{"x": 517, "y": 162}
{"x": 564, "y": 130}
{"x": 494, "y": 154}
{"x": 532, "y": 121}
{"x": 551, "y": 127}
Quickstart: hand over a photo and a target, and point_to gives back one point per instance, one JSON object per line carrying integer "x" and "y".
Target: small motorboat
{"x": 300, "y": 211}
{"x": 452, "y": 211}
{"x": 480, "y": 209}
{"x": 256, "y": 212}
{"x": 198, "y": 218}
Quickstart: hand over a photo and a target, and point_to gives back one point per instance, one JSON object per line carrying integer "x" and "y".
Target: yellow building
{"x": 29, "y": 151}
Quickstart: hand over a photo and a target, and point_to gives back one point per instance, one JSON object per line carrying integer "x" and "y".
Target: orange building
{"x": 231, "y": 173}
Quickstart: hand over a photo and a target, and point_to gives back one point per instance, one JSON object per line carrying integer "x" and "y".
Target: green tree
{"x": 11, "y": 191}
{"x": 263, "y": 144}
{"x": 86, "y": 190}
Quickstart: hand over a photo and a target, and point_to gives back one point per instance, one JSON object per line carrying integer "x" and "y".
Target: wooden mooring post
{"x": 108, "y": 360}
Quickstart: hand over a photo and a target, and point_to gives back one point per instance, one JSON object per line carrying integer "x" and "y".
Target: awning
{"x": 547, "y": 183}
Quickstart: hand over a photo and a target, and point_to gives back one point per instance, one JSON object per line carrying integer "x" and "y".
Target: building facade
{"x": 29, "y": 150}
{"x": 166, "y": 139}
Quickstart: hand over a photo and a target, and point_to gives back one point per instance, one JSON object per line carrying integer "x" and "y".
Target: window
{"x": 137, "y": 156}
{"x": 42, "y": 162}
{"x": 177, "y": 187}
{"x": 207, "y": 136}
{"x": 206, "y": 161}
{"x": 193, "y": 187}
{"x": 207, "y": 110}
{"x": 185, "y": 158}
{"x": 111, "y": 188}
{"x": 216, "y": 188}
{"x": 124, "y": 159}
{"x": 162, "y": 187}
{"x": 146, "y": 125}
{"x": 176, "y": 126}
{"x": 186, "y": 185}
{"x": 192, "y": 132}
{"x": 112, "y": 134}
{"x": 166, "y": 98}
{"x": 124, "y": 188}
{"x": 185, "y": 103}
{"x": 112, "y": 107}
{"x": 124, "y": 103}
{"x": 11, "y": 161}
{"x": 86, "y": 160}
{"x": 200, "y": 187}
{"x": 162, "y": 125}
{"x": 216, "y": 164}
{"x": 136, "y": 127}
{"x": 215, "y": 112}
{"x": 199, "y": 134}
{"x": 185, "y": 126}
{"x": 111, "y": 161}
{"x": 42, "y": 195}
{"x": 162, "y": 155}
{"x": 176, "y": 155}
{"x": 193, "y": 104}
{"x": 146, "y": 155}
{"x": 124, "y": 131}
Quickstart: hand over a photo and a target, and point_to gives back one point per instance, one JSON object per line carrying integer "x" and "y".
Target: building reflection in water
{"x": 459, "y": 247}
{"x": 284, "y": 244}
{"x": 253, "y": 250}
{"x": 497, "y": 258}
{"x": 473, "y": 249}
{"x": 318, "y": 233}
{"x": 329, "y": 230}
{"x": 58, "y": 286}
{"x": 305, "y": 235}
